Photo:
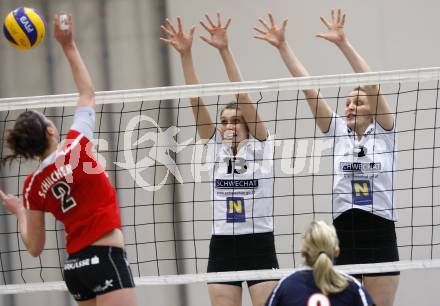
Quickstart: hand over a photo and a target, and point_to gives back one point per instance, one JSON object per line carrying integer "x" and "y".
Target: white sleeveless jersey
{"x": 242, "y": 186}
{"x": 363, "y": 169}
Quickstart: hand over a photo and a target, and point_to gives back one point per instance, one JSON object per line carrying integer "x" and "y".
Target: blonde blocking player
{"x": 364, "y": 219}
{"x": 319, "y": 284}
{"x": 76, "y": 190}
{"x": 242, "y": 238}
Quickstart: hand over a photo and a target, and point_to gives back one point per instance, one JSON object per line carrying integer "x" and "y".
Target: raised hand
{"x": 11, "y": 203}
{"x": 272, "y": 34}
{"x": 63, "y": 31}
{"x": 335, "y": 28}
{"x": 219, "y": 34}
{"x": 177, "y": 38}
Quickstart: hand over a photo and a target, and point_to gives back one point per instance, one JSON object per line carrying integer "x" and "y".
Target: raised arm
{"x": 336, "y": 35}
{"x": 182, "y": 43}
{"x": 275, "y": 36}
{"x": 219, "y": 40}
{"x": 63, "y": 34}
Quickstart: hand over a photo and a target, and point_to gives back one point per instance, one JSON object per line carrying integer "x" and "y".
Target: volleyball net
{"x": 147, "y": 141}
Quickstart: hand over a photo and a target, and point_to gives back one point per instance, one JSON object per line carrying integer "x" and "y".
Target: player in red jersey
{"x": 70, "y": 184}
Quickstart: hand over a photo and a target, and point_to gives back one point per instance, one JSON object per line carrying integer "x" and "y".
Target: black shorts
{"x": 97, "y": 270}
{"x": 366, "y": 238}
{"x": 242, "y": 252}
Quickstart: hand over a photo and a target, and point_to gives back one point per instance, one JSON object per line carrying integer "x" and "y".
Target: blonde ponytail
{"x": 320, "y": 247}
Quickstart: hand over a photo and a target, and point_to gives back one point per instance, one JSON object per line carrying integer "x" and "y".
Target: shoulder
{"x": 73, "y": 138}
{"x": 388, "y": 136}
{"x": 30, "y": 179}
{"x": 297, "y": 286}
{"x": 356, "y": 290}
{"x": 338, "y": 126}
{"x": 261, "y": 148}
{"x": 72, "y": 134}
{"x": 293, "y": 280}
{"x": 216, "y": 138}
{"x": 30, "y": 191}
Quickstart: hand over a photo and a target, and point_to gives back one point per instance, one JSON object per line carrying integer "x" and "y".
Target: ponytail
{"x": 321, "y": 247}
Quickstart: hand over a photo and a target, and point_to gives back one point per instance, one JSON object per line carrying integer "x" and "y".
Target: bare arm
{"x": 219, "y": 40}
{"x": 182, "y": 43}
{"x": 63, "y": 34}
{"x": 276, "y": 37}
{"x": 31, "y": 224}
{"x": 336, "y": 35}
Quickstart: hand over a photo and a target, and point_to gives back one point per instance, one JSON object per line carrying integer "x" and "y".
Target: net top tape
{"x": 232, "y": 276}
{"x": 202, "y": 90}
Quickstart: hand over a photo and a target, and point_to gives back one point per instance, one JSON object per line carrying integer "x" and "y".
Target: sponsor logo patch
{"x": 235, "y": 210}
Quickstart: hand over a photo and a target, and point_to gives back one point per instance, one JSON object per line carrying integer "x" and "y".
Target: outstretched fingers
{"x": 260, "y": 37}
{"x": 205, "y": 39}
{"x": 228, "y": 22}
{"x": 167, "y": 41}
{"x": 171, "y": 26}
{"x": 219, "y": 22}
{"x": 209, "y": 20}
{"x": 208, "y": 29}
{"x": 166, "y": 31}
{"x": 343, "y": 20}
{"x": 192, "y": 30}
{"x": 210, "y": 26}
{"x": 272, "y": 20}
{"x": 284, "y": 24}
{"x": 175, "y": 36}
{"x": 179, "y": 24}
{"x": 260, "y": 31}
{"x": 337, "y": 18}
{"x": 265, "y": 25}
{"x": 325, "y": 22}
{"x": 270, "y": 31}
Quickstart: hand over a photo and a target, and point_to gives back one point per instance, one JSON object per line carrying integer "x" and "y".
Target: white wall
{"x": 392, "y": 34}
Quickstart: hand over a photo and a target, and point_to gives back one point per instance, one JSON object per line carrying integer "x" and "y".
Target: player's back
{"x": 299, "y": 289}
{"x": 74, "y": 187}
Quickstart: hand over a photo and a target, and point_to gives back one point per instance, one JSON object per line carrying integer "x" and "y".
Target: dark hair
{"x": 28, "y": 137}
{"x": 230, "y": 105}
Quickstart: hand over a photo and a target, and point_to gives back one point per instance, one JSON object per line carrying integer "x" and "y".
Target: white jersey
{"x": 363, "y": 169}
{"x": 242, "y": 186}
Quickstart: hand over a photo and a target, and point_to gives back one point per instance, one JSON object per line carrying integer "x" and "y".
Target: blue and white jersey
{"x": 242, "y": 186}
{"x": 363, "y": 169}
{"x": 299, "y": 289}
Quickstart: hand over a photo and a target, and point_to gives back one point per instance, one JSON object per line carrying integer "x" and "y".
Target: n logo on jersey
{"x": 235, "y": 210}
{"x": 362, "y": 193}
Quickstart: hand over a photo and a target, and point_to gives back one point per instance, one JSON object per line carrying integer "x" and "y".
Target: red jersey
{"x": 74, "y": 187}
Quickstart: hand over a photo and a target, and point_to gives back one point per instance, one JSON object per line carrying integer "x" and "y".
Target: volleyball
{"x": 24, "y": 28}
